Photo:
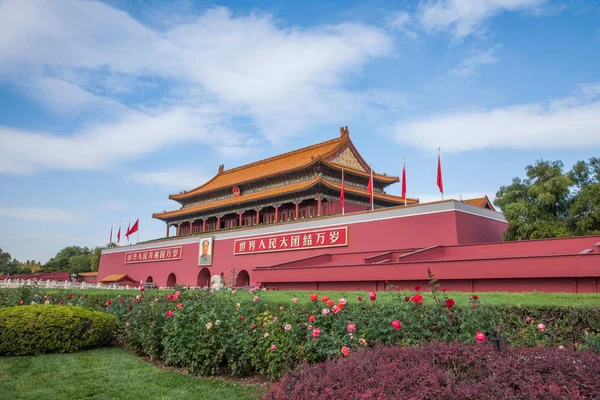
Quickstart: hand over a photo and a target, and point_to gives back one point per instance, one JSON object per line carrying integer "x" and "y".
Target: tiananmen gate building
{"x": 279, "y": 223}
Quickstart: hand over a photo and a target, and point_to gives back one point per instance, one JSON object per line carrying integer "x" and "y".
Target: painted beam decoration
{"x": 152, "y": 255}
{"x": 333, "y": 237}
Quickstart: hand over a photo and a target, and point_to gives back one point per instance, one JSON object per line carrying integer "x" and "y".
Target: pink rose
{"x": 294, "y": 300}
{"x": 169, "y": 314}
{"x": 233, "y": 291}
{"x": 541, "y": 327}
{"x": 180, "y": 306}
{"x": 336, "y": 309}
{"x": 527, "y": 319}
{"x": 325, "y": 311}
{"x": 287, "y": 327}
{"x": 343, "y": 301}
{"x": 273, "y": 347}
{"x": 351, "y": 327}
{"x": 316, "y": 332}
{"x": 372, "y": 296}
{"x": 480, "y": 337}
{"x": 256, "y": 299}
{"x": 396, "y": 324}
{"x": 345, "y": 350}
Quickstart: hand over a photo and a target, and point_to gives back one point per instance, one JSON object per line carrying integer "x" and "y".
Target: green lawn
{"x": 531, "y": 299}
{"x": 109, "y": 374}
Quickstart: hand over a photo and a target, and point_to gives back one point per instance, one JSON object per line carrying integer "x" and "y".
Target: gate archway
{"x": 171, "y": 280}
{"x": 203, "y": 278}
{"x": 243, "y": 279}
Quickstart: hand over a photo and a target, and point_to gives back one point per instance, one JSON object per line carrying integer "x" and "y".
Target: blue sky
{"x": 108, "y": 107}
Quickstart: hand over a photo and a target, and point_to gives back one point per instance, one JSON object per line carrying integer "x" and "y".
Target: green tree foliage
{"x": 8, "y": 265}
{"x": 551, "y": 202}
{"x": 74, "y": 259}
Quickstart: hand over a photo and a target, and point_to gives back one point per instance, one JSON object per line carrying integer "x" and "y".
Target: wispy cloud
{"x": 42, "y": 215}
{"x": 570, "y": 122}
{"x": 74, "y": 56}
{"x": 399, "y": 21}
{"x": 466, "y": 17}
{"x": 469, "y": 66}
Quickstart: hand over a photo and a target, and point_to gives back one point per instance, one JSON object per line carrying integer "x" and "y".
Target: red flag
{"x": 342, "y": 193}
{"x": 404, "y": 182}
{"x": 127, "y": 231}
{"x": 133, "y": 229}
{"x": 119, "y": 235}
{"x": 439, "y": 174}
{"x": 370, "y": 188}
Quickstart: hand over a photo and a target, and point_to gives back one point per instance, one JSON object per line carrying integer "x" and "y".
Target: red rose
{"x": 169, "y": 314}
{"x": 330, "y": 303}
{"x": 450, "y": 303}
{"x": 130, "y": 308}
{"x": 480, "y": 337}
{"x": 407, "y": 299}
{"x": 325, "y": 299}
{"x": 372, "y": 296}
{"x": 443, "y": 289}
{"x": 396, "y": 324}
{"x": 316, "y": 332}
{"x": 179, "y": 305}
{"x": 21, "y": 303}
{"x": 417, "y": 298}
{"x": 475, "y": 297}
{"x": 359, "y": 298}
{"x": 417, "y": 288}
{"x": 108, "y": 302}
{"x": 311, "y": 318}
{"x": 314, "y": 297}
{"x": 70, "y": 295}
{"x": 142, "y": 289}
{"x": 253, "y": 326}
{"x": 60, "y": 303}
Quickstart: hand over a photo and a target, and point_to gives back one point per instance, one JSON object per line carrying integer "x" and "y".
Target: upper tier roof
{"x": 292, "y": 160}
{"x": 483, "y": 202}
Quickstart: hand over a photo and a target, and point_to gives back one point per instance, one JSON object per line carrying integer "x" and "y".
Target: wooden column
{"x": 241, "y": 218}
{"x": 297, "y": 210}
{"x": 276, "y": 213}
{"x": 167, "y": 230}
{"x": 319, "y": 206}
{"x": 191, "y": 225}
{"x": 218, "y": 222}
{"x": 179, "y": 229}
{"x": 204, "y": 225}
{"x": 257, "y": 216}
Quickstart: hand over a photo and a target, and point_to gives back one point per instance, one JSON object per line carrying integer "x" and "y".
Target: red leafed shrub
{"x": 442, "y": 371}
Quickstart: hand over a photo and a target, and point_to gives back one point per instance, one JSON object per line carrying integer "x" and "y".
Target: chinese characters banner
{"x": 294, "y": 241}
{"x": 151, "y": 255}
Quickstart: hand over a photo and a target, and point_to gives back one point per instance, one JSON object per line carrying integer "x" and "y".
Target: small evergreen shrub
{"x": 446, "y": 371}
{"x": 37, "y": 329}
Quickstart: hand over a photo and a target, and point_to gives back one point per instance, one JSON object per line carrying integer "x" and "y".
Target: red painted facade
{"x": 460, "y": 243}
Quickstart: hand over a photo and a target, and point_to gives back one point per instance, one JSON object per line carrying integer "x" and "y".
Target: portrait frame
{"x": 202, "y": 259}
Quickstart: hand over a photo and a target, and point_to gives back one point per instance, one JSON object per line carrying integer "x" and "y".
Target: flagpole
{"x": 372, "y": 190}
{"x": 137, "y": 239}
{"x": 404, "y": 177}
{"x": 440, "y": 164}
{"x": 343, "y": 208}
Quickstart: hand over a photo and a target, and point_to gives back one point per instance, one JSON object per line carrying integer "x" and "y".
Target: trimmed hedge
{"x": 442, "y": 371}
{"x": 37, "y": 329}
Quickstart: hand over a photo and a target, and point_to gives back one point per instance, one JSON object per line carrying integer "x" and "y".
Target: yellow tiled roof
{"x": 275, "y": 165}
{"x": 116, "y": 278}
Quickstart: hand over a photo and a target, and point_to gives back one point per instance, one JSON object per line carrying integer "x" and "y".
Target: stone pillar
{"x": 277, "y": 213}
{"x": 191, "y": 226}
{"x": 218, "y": 222}
{"x": 297, "y": 209}
{"x": 241, "y": 214}
{"x": 257, "y": 216}
{"x": 167, "y": 230}
{"x": 204, "y": 225}
{"x": 319, "y": 206}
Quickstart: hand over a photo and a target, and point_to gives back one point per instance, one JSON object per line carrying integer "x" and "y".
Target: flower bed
{"x": 442, "y": 371}
{"x": 204, "y": 332}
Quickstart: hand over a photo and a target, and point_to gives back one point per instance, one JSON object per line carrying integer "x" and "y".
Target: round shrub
{"x": 443, "y": 371}
{"x": 36, "y": 329}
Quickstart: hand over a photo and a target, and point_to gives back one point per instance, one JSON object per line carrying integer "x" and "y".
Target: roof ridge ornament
{"x": 344, "y": 132}
{"x": 221, "y": 168}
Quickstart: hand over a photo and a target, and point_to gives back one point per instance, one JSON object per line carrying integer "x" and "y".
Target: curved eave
{"x": 236, "y": 201}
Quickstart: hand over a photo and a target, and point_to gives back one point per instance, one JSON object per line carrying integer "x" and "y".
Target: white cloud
{"x": 468, "y": 67}
{"x": 41, "y": 215}
{"x": 72, "y": 55}
{"x": 571, "y": 122}
{"x": 466, "y": 17}
{"x": 399, "y": 21}
{"x": 173, "y": 178}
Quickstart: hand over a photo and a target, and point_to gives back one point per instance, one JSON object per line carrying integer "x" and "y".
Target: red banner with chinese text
{"x": 317, "y": 239}
{"x": 152, "y": 255}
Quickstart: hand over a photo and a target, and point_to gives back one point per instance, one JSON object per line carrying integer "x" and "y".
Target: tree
{"x": 552, "y": 203}
{"x": 62, "y": 260}
{"x": 8, "y": 265}
{"x": 95, "y": 258}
